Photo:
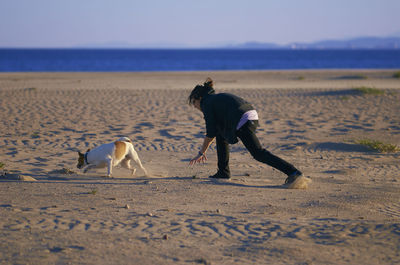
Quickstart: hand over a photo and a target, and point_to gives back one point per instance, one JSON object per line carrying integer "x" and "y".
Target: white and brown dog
{"x": 109, "y": 155}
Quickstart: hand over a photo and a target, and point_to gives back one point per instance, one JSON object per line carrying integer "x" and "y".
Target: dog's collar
{"x": 87, "y": 163}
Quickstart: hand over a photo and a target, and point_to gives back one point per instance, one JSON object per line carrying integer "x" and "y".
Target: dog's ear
{"x": 80, "y": 154}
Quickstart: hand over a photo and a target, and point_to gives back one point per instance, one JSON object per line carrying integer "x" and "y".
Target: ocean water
{"x": 137, "y": 60}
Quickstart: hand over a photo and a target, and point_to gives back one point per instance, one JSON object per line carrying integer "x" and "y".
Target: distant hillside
{"x": 255, "y": 45}
{"x": 357, "y": 43}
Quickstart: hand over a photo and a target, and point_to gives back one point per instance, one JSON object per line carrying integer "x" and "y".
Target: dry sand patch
{"x": 349, "y": 214}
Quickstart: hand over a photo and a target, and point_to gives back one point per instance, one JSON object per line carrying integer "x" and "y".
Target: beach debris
{"x": 127, "y": 206}
{"x": 10, "y": 176}
{"x": 369, "y": 91}
{"x": 165, "y": 237}
{"x": 93, "y": 192}
{"x": 150, "y": 214}
{"x": 378, "y": 146}
{"x": 64, "y": 171}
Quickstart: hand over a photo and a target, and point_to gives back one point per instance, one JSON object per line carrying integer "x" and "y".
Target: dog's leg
{"x": 135, "y": 158}
{"x": 109, "y": 167}
{"x": 126, "y": 163}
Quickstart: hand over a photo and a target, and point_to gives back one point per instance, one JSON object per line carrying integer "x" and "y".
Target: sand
{"x": 52, "y": 213}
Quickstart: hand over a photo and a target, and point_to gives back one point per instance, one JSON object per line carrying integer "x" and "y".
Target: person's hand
{"x": 198, "y": 159}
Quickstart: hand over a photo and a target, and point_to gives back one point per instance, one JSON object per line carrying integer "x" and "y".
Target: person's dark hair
{"x": 201, "y": 90}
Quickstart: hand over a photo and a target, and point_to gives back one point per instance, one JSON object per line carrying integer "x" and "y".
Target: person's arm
{"x": 201, "y": 156}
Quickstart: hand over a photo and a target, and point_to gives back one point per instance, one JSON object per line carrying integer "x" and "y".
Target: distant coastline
{"x": 391, "y": 42}
{"x": 350, "y": 44}
{"x": 359, "y": 43}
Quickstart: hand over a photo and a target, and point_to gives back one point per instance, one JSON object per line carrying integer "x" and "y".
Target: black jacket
{"x": 222, "y": 113}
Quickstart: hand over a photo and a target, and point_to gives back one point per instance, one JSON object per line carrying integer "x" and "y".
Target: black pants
{"x": 248, "y": 137}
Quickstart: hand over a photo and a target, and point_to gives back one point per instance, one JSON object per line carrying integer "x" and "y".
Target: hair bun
{"x": 200, "y": 91}
{"x": 209, "y": 83}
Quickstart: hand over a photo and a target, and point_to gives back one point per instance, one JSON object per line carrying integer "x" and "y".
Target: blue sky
{"x": 56, "y": 23}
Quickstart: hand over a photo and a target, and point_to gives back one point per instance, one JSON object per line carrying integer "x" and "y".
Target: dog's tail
{"x": 124, "y": 139}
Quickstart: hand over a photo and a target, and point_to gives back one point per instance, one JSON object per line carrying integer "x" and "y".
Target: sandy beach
{"x": 52, "y": 213}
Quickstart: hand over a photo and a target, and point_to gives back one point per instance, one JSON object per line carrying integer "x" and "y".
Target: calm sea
{"x": 98, "y": 60}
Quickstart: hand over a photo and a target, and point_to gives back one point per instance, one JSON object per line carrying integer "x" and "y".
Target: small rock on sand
{"x": 8, "y": 176}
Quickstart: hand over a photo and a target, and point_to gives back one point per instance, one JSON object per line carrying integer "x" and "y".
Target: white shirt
{"x": 250, "y": 115}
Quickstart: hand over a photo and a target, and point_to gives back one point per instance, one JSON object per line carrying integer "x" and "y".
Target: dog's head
{"x": 81, "y": 159}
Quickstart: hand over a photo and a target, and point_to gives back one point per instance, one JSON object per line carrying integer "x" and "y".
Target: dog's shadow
{"x": 80, "y": 178}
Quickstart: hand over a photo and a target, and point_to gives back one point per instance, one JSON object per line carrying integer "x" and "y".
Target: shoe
{"x": 219, "y": 175}
{"x": 292, "y": 177}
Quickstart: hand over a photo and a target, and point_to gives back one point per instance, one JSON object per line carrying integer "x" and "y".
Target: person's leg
{"x": 223, "y": 159}
{"x": 247, "y": 135}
